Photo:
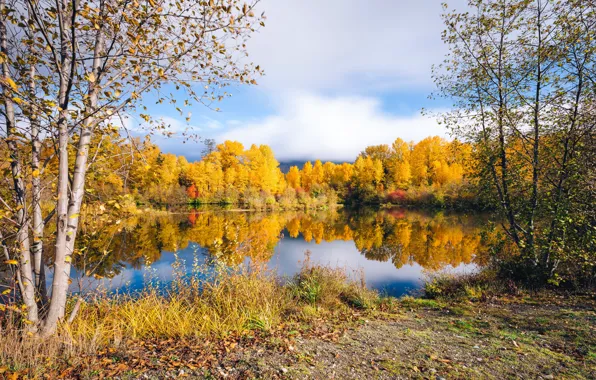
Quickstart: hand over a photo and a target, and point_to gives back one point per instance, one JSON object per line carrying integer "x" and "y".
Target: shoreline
{"x": 320, "y": 325}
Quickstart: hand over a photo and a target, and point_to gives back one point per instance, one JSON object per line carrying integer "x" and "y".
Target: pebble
{"x": 284, "y": 370}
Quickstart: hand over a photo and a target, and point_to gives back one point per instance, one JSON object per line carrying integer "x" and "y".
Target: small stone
{"x": 477, "y": 347}
{"x": 549, "y": 376}
{"x": 284, "y": 370}
{"x": 440, "y": 378}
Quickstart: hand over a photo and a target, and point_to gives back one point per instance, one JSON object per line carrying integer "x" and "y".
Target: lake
{"x": 394, "y": 249}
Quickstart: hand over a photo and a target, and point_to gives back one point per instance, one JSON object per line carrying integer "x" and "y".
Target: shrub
{"x": 397, "y": 197}
{"x": 473, "y": 287}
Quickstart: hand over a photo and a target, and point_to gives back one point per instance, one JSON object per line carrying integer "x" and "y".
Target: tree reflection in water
{"x": 401, "y": 237}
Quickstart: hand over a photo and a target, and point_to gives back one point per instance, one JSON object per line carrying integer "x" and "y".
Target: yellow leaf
{"x": 91, "y": 77}
{"x": 11, "y": 83}
{"x": 35, "y": 173}
{"x": 11, "y": 262}
{"x": 68, "y": 259}
{"x": 6, "y": 292}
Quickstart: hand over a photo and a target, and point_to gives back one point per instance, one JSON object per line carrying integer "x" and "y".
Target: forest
{"x": 433, "y": 172}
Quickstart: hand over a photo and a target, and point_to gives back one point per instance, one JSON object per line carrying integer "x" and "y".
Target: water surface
{"x": 393, "y": 249}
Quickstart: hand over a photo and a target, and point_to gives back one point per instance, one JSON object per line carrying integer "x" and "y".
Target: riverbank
{"x": 317, "y": 325}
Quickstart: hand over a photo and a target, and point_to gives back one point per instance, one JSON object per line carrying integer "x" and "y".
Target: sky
{"x": 340, "y": 75}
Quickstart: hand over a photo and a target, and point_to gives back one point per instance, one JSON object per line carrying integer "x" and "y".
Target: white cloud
{"x": 309, "y": 126}
{"x": 349, "y": 44}
{"x": 326, "y": 52}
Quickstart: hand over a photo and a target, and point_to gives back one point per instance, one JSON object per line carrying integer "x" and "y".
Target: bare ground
{"x": 551, "y": 337}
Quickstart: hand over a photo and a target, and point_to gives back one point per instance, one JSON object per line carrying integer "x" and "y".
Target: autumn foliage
{"x": 425, "y": 172}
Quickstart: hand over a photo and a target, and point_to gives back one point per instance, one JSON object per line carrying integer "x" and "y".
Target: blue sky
{"x": 340, "y": 75}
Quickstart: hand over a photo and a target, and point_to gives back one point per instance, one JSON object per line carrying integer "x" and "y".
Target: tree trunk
{"x": 22, "y": 236}
{"x": 38, "y": 222}
{"x": 62, "y": 256}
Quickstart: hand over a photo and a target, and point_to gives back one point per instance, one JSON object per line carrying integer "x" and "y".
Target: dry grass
{"x": 233, "y": 303}
{"x": 228, "y": 303}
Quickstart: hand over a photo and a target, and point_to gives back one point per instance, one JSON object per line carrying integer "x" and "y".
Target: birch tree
{"x": 521, "y": 74}
{"x": 70, "y": 70}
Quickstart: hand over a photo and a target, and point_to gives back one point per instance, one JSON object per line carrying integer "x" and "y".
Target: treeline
{"x": 130, "y": 172}
{"x": 433, "y": 171}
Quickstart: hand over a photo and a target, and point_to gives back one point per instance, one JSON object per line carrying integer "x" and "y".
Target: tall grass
{"x": 227, "y": 303}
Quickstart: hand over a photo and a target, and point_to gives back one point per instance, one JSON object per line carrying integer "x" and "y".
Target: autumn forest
{"x": 427, "y": 172}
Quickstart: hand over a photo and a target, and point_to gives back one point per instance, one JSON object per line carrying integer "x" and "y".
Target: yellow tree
{"x": 329, "y": 172}
{"x": 231, "y": 153}
{"x": 69, "y": 68}
{"x": 307, "y": 176}
{"x": 343, "y": 173}
{"x": 427, "y": 158}
{"x": 367, "y": 172}
{"x": 400, "y": 163}
{"x": 318, "y": 173}
{"x": 293, "y": 177}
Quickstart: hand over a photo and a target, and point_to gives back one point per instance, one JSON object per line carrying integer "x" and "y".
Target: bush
{"x": 473, "y": 287}
{"x": 397, "y": 197}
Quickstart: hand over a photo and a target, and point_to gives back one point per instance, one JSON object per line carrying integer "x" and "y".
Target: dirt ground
{"x": 550, "y": 337}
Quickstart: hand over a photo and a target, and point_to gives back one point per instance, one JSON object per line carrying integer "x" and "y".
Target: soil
{"x": 539, "y": 337}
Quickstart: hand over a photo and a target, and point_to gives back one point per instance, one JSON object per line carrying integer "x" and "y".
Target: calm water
{"x": 395, "y": 249}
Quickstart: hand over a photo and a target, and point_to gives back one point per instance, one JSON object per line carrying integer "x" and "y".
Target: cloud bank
{"x": 309, "y": 126}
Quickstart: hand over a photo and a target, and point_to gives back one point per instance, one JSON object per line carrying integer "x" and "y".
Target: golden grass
{"x": 229, "y": 303}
